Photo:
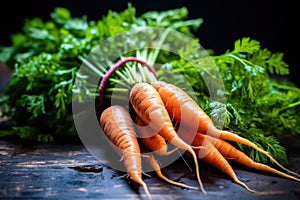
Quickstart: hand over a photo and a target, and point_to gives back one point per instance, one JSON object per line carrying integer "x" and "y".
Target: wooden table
{"x": 68, "y": 171}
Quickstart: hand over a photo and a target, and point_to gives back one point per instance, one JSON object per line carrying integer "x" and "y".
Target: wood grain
{"x": 54, "y": 171}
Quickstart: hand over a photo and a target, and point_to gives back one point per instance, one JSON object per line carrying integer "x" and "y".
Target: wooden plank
{"x": 54, "y": 171}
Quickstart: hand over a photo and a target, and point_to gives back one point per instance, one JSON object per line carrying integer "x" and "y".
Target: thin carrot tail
{"x": 286, "y": 175}
{"x": 197, "y": 170}
{"x": 160, "y": 175}
{"x": 198, "y": 147}
{"x": 263, "y": 192}
{"x": 151, "y": 160}
{"x": 269, "y": 169}
{"x": 279, "y": 165}
{"x": 177, "y": 141}
{"x": 138, "y": 180}
{"x": 165, "y": 153}
{"x": 245, "y": 186}
{"x": 146, "y": 190}
{"x": 226, "y": 135}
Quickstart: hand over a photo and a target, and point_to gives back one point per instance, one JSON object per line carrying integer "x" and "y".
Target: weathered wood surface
{"x": 53, "y": 171}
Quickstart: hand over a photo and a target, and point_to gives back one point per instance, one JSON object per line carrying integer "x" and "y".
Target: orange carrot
{"x": 230, "y": 152}
{"x": 187, "y": 112}
{"x": 151, "y": 140}
{"x": 148, "y": 105}
{"x": 212, "y": 156}
{"x": 217, "y": 150}
{"x": 118, "y": 127}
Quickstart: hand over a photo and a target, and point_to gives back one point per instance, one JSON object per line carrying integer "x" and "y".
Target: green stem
{"x": 286, "y": 87}
{"x": 91, "y": 66}
{"x": 117, "y": 90}
{"x": 243, "y": 62}
{"x": 290, "y": 106}
{"x": 154, "y": 56}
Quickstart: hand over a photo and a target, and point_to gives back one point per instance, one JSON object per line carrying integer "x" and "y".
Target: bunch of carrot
{"x": 160, "y": 108}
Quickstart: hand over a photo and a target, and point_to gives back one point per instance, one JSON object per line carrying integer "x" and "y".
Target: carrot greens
{"x": 261, "y": 103}
{"x": 258, "y": 101}
{"x": 46, "y": 55}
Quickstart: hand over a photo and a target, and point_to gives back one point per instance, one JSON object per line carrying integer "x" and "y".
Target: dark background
{"x": 224, "y": 21}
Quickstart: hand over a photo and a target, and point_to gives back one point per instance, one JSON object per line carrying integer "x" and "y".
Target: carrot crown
{"x": 116, "y": 66}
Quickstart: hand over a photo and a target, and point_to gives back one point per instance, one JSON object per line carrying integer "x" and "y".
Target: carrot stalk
{"x": 118, "y": 127}
{"x": 148, "y": 105}
{"x": 187, "y": 112}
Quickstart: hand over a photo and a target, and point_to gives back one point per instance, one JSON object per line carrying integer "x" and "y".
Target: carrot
{"x": 148, "y": 105}
{"x": 118, "y": 127}
{"x": 151, "y": 161}
{"x": 217, "y": 150}
{"x": 230, "y": 152}
{"x": 178, "y": 104}
{"x": 151, "y": 140}
{"x": 211, "y": 155}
